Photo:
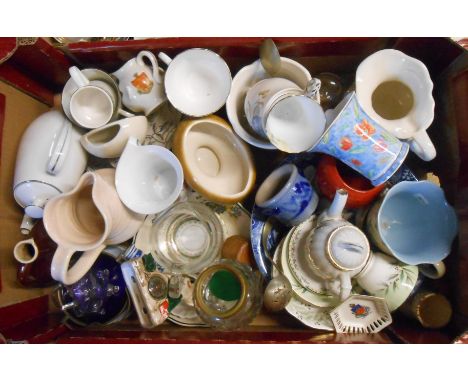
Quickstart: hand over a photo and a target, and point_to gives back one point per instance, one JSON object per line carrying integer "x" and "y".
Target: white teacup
{"x": 197, "y": 81}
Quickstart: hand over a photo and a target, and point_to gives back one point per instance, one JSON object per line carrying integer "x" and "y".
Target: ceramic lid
{"x": 348, "y": 248}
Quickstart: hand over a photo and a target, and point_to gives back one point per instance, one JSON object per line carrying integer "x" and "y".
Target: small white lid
{"x": 348, "y": 248}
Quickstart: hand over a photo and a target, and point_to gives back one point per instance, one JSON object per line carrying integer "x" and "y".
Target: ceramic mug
{"x": 290, "y": 117}
{"x": 333, "y": 175}
{"x": 414, "y": 223}
{"x": 395, "y": 90}
{"x": 287, "y": 195}
{"x": 141, "y": 86}
{"x": 93, "y": 103}
{"x": 109, "y": 141}
{"x": 87, "y": 218}
{"x": 197, "y": 81}
{"x": 358, "y": 141}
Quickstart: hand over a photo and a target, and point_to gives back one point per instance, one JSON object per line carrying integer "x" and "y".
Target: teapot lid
{"x": 348, "y": 248}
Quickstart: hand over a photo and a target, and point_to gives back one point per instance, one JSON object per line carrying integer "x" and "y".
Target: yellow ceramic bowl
{"x": 216, "y": 163}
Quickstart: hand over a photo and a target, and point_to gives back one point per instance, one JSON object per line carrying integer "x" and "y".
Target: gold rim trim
{"x": 329, "y": 251}
{"x": 199, "y": 291}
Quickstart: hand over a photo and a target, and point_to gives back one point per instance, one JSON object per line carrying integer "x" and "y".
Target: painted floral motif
{"x": 364, "y": 129}
{"x": 142, "y": 83}
{"x": 359, "y": 311}
{"x": 164, "y": 309}
{"x": 355, "y": 139}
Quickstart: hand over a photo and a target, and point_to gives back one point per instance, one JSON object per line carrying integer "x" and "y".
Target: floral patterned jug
{"x": 360, "y": 142}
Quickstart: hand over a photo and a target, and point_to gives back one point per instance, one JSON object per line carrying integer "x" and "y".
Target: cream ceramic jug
{"x": 87, "y": 218}
{"x": 395, "y": 90}
{"x": 50, "y": 160}
{"x": 142, "y": 87}
{"x": 337, "y": 250}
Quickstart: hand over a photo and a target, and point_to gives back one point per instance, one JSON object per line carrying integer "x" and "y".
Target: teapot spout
{"x": 336, "y": 208}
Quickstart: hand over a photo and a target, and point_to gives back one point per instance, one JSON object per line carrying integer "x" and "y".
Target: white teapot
{"x": 142, "y": 87}
{"x": 337, "y": 250}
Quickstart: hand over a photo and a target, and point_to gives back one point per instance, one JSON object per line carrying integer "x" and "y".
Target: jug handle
{"x": 59, "y": 149}
{"x": 433, "y": 271}
{"x": 61, "y": 261}
{"x": 165, "y": 58}
{"x": 150, "y": 56}
{"x": 78, "y": 77}
{"x": 422, "y": 146}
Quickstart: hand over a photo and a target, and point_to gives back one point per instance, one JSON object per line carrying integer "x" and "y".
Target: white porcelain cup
{"x": 94, "y": 103}
{"x": 197, "y": 81}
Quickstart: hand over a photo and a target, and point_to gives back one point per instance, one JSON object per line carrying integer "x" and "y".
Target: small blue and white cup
{"x": 287, "y": 195}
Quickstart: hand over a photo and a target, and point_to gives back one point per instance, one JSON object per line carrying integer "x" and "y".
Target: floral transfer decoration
{"x": 142, "y": 83}
{"x": 359, "y": 311}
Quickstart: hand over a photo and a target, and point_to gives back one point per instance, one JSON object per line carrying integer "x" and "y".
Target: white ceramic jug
{"x": 142, "y": 87}
{"x": 337, "y": 250}
{"x": 396, "y": 91}
{"x": 50, "y": 160}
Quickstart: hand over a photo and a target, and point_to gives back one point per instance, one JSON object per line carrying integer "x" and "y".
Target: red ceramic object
{"x": 333, "y": 175}
{"x": 35, "y": 257}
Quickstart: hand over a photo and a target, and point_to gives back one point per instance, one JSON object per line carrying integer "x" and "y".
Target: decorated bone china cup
{"x": 197, "y": 81}
{"x": 216, "y": 163}
{"x": 287, "y": 195}
{"x": 243, "y": 81}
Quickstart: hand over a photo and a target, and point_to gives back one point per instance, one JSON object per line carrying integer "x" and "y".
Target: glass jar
{"x": 228, "y": 295}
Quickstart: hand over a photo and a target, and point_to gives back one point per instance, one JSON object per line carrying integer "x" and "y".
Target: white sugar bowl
{"x": 337, "y": 250}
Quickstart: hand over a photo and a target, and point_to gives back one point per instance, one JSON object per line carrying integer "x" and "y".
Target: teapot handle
{"x": 59, "y": 149}
{"x": 422, "y": 146}
{"x": 345, "y": 287}
{"x": 154, "y": 64}
{"x": 61, "y": 261}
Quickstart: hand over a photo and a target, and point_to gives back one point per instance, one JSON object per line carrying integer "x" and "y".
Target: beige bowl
{"x": 216, "y": 163}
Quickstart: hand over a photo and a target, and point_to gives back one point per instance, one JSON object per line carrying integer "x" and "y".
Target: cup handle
{"x": 61, "y": 262}
{"x": 164, "y": 58}
{"x": 313, "y": 88}
{"x": 422, "y": 146}
{"x": 125, "y": 113}
{"x": 433, "y": 271}
{"x": 78, "y": 77}
{"x": 150, "y": 56}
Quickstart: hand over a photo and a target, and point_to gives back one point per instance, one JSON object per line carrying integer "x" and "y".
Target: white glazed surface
{"x": 134, "y": 99}
{"x": 247, "y": 77}
{"x": 198, "y": 82}
{"x": 148, "y": 178}
{"x": 391, "y": 64}
{"x": 217, "y": 160}
{"x": 109, "y": 141}
{"x": 32, "y": 184}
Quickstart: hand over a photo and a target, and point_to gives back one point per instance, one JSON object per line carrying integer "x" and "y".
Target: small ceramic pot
{"x": 148, "y": 178}
{"x": 141, "y": 86}
{"x": 333, "y": 175}
{"x": 358, "y": 141}
{"x": 35, "y": 258}
{"x": 287, "y": 195}
{"x": 216, "y": 163}
{"x": 290, "y": 117}
{"x": 408, "y": 83}
{"x": 109, "y": 141}
{"x": 228, "y": 295}
{"x": 241, "y": 83}
{"x": 414, "y": 223}
{"x": 337, "y": 250}
{"x": 87, "y": 218}
{"x": 197, "y": 81}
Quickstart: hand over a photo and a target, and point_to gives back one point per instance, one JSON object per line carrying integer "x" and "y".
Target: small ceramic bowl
{"x": 333, "y": 175}
{"x": 241, "y": 83}
{"x": 216, "y": 163}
